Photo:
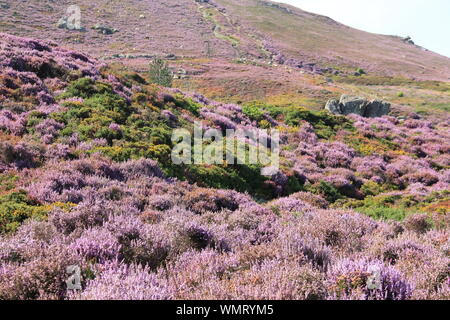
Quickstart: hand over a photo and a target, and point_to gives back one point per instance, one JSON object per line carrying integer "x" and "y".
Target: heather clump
{"x": 369, "y": 280}
{"x": 202, "y": 200}
{"x": 124, "y": 282}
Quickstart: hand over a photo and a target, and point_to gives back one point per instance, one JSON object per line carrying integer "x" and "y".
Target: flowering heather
{"x": 358, "y": 210}
{"x": 369, "y": 279}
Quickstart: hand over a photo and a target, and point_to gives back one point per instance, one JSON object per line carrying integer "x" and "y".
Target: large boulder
{"x": 357, "y": 105}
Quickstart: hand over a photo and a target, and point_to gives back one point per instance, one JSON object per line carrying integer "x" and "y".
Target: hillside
{"x": 313, "y": 38}
{"x": 223, "y": 28}
{"x": 359, "y": 208}
{"x": 86, "y": 180}
{"x": 240, "y": 51}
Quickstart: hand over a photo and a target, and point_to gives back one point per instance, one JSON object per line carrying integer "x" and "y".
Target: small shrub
{"x": 160, "y": 73}
{"x": 360, "y": 72}
{"x": 15, "y": 208}
{"x": 330, "y": 193}
{"x": 253, "y": 112}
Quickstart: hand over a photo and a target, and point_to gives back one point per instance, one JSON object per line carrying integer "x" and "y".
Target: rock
{"x": 64, "y": 23}
{"x": 357, "y": 105}
{"x": 350, "y": 104}
{"x": 104, "y": 29}
{"x": 171, "y": 56}
{"x": 333, "y": 106}
{"x": 408, "y": 40}
{"x": 377, "y": 108}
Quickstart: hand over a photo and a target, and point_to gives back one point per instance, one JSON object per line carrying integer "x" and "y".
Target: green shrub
{"x": 330, "y": 193}
{"x": 242, "y": 178}
{"x": 253, "y": 112}
{"x": 8, "y": 182}
{"x": 83, "y": 88}
{"x": 384, "y": 213}
{"x": 371, "y": 188}
{"x": 187, "y": 104}
{"x": 160, "y": 73}
{"x": 325, "y": 124}
{"x": 360, "y": 72}
{"x": 15, "y": 208}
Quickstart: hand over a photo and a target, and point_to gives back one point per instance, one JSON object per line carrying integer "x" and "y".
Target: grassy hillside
{"x": 315, "y": 38}
{"x": 244, "y": 51}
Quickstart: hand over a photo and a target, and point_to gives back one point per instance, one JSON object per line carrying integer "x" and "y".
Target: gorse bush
{"x": 324, "y": 124}
{"x": 15, "y": 208}
{"x": 253, "y": 112}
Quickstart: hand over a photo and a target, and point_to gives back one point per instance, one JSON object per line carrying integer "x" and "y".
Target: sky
{"x": 426, "y": 21}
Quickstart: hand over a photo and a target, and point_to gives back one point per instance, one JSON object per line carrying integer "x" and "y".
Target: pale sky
{"x": 426, "y": 21}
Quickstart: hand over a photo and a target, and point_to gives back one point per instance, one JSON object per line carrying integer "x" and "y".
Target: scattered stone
{"x": 357, "y": 105}
{"x": 104, "y": 29}
{"x": 181, "y": 74}
{"x": 276, "y": 6}
{"x": 129, "y": 56}
{"x": 171, "y": 56}
{"x": 408, "y": 40}
{"x": 64, "y": 23}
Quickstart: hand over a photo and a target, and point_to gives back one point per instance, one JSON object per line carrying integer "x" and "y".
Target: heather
{"x": 358, "y": 210}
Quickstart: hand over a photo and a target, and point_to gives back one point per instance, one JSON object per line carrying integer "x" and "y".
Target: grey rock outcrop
{"x": 357, "y": 105}
{"x": 408, "y": 40}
